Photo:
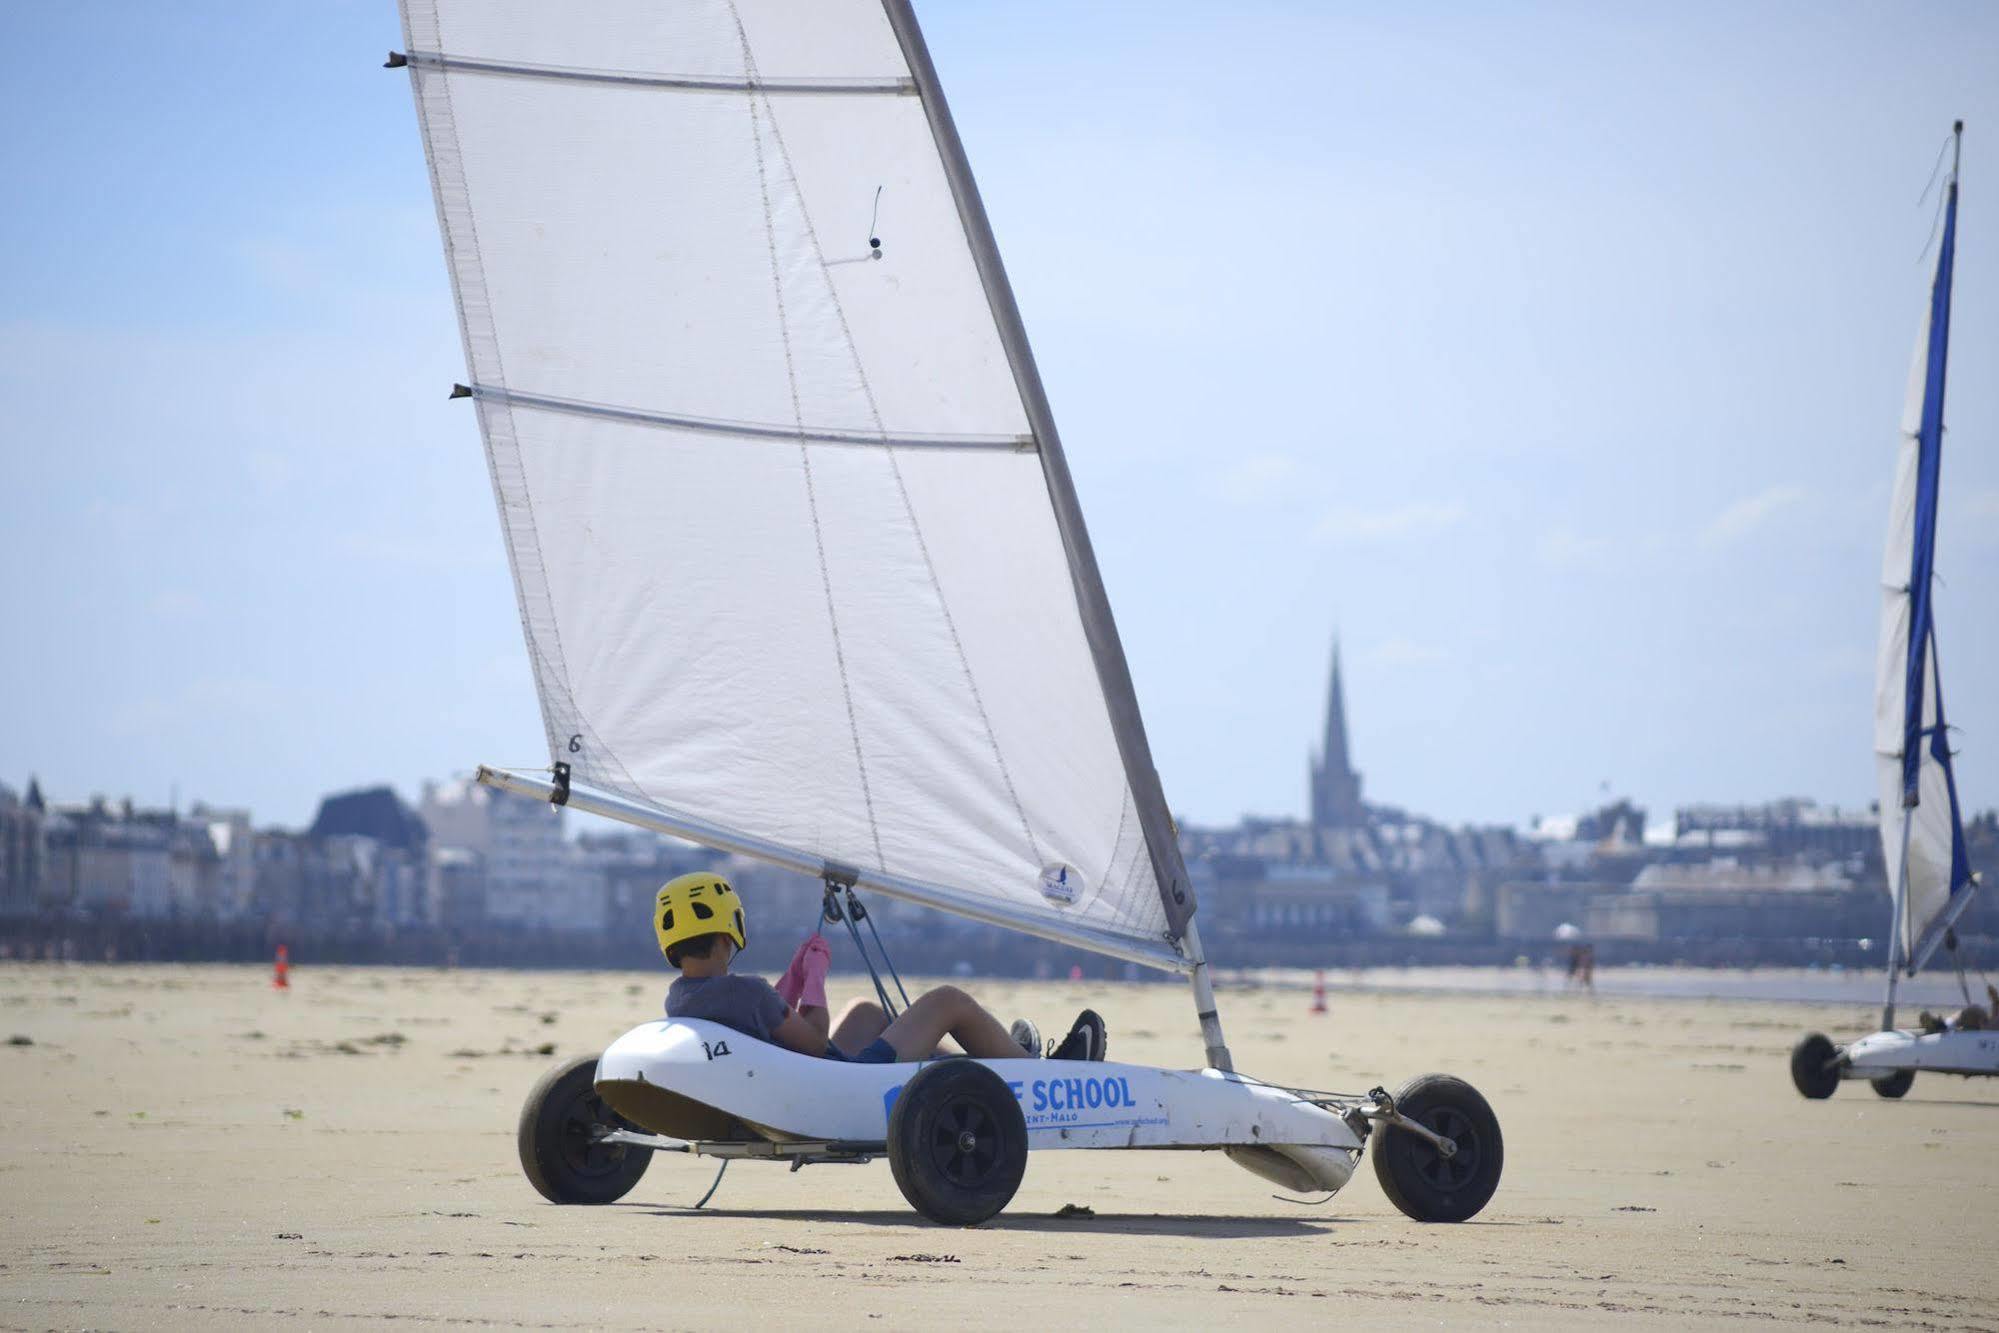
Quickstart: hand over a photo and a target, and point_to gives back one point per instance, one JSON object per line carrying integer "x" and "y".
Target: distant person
{"x": 1588, "y": 968}
{"x": 1975, "y": 1017}
{"x": 701, "y": 927}
{"x": 1971, "y": 1018}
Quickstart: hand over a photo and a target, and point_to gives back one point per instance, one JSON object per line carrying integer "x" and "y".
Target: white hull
{"x": 1066, "y": 1104}
{"x": 1886, "y": 1053}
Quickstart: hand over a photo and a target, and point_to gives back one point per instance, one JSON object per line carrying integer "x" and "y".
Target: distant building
{"x": 291, "y": 880}
{"x": 370, "y": 883}
{"x": 1336, "y": 802}
{"x": 1252, "y": 895}
{"x": 532, "y": 874}
{"x": 1619, "y": 826}
{"x": 1349, "y": 868}
{"x": 366, "y": 863}
{"x": 1708, "y": 917}
{"x": 235, "y": 844}
{"x": 107, "y": 861}
{"x": 458, "y": 887}
{"x": 630, "y": 865}
{"x": 376, "y": 813}
{"x": 1794, "y": 826}
{"x": 194, "y": 871}
{"x": 23, "y": 851}
{"x": 1535, "y": 910}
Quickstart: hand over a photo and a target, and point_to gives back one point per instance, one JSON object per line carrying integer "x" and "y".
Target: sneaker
{"x": 1086, "y": 1039}
{"x": 1026, "y": 1035}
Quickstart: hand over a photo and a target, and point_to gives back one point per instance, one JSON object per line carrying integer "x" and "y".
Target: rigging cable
{"x": 887, "y": 962}
{"x": 832, "y": 911}
{"x": 1942, "y": 199}
{"x": 1957, "y": 961}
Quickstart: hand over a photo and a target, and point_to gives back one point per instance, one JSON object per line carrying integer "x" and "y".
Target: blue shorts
{"x": 876, "y": 1052}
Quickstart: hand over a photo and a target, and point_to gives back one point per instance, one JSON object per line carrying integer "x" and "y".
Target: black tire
{"x": 559, "y": 1149}
{"x": 1895, "y": 1085}
{"x": 1814, "y": 1067}
{"x": 957, "y": 1142}
{"x": 1420, "y": 1180}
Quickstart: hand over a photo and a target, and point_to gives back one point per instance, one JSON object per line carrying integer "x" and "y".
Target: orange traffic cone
{"x": 1319, "y": 992}
{"x": 281, "y": 970}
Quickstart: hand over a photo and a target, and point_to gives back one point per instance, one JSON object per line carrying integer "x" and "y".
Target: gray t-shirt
{"x": 750, "y": 1005}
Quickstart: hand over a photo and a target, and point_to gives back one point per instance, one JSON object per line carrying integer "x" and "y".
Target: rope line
{"x": 833, "y": 909}
{"x": 887, "y": 962}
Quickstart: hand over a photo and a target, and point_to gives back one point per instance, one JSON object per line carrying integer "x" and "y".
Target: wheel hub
{"x": 966, "y": 1142}
{"x": 584, "y": 1123}
{"x": 1456, "y": 1170}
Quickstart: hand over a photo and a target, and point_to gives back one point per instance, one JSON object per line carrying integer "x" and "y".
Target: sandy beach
{"x": 185, "y": 1147}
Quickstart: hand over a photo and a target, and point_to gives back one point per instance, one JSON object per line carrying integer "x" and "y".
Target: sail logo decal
{"x": 1060, "y": 883}
{"x": 1057, "y": 1101}
{"x": 1076, "y": 1094}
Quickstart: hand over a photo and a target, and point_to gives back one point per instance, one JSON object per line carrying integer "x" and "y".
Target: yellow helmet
{"x": 702, "y": 903}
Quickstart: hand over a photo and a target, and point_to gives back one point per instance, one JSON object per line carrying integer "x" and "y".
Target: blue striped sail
{"x": 1922, "y": 832}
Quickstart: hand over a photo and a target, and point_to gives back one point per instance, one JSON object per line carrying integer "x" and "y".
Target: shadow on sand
{"x": 1103, "y": 1224}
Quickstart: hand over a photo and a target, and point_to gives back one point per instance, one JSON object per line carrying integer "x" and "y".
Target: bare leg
{"x": 816, "y": 1015}
{"x": 860, "y": 1023}
{"x": 949, "y": 1012}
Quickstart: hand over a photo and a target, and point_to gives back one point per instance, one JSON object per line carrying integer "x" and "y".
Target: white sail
{"x": 1922, "y": 834}
{"x": 787, "y": 534}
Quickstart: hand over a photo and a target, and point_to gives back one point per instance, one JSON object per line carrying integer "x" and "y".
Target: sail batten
{"x": 1922, "y": 828}
{"x": 760, "y": 430}
{"x": 798, "y": 559}
{"x": 682, "y": 82}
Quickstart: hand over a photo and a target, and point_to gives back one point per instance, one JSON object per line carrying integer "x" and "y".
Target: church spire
{"x": 1333, "y": 750}
{"x": 1335, "y": 786}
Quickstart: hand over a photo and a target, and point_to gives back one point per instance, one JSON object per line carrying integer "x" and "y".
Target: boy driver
{"x": 700, "y": 924}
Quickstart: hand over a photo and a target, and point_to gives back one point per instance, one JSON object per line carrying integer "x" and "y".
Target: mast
{"x": 1107, "y": 651}
{"x": 1900, "y": 900}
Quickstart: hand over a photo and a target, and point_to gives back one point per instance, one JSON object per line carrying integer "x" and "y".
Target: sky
{"x": 1551, "y": 356}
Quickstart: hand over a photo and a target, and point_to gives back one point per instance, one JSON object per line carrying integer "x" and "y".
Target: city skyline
{"x": 1578, "y": 428}
{"x": 1333, "y": 789}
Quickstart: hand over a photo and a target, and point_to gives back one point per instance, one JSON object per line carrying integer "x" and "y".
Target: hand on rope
{"x": 804, "y": 982}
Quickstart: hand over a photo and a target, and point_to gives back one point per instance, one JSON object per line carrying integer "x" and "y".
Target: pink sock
{"x": 795, "y": 987}
{"x": 815, "y": 960}
{"x": 790, "y": 986}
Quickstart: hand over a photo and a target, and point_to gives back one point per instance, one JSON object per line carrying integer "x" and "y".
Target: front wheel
{"x": 561, "y": 1139}
{"x": 1896, "y": 1084}
{"x": 957, "y": 1142}
{"x": 1415, "y": 1174}
{"x": 1815, "y": 1067}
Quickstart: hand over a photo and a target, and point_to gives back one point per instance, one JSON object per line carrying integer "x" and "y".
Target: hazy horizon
{"x": 1551, "y": 358}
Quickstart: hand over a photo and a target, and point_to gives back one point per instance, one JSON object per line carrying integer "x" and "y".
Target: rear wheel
{"x": 957, "y": 1142}
{"x": 1815, "y": 1067}
{"x": 561, "y": 1144}
{"x": 1896, "y": 1084}
{"x": 1415, "y": 1174}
